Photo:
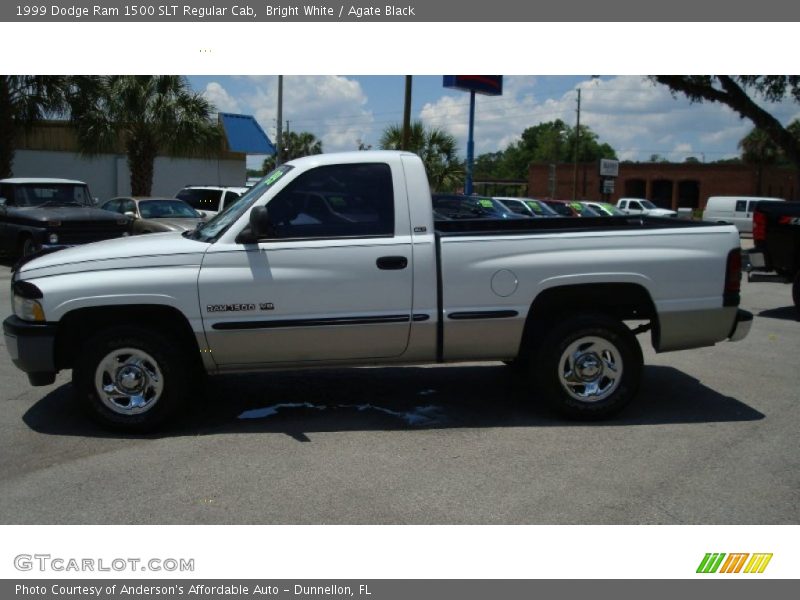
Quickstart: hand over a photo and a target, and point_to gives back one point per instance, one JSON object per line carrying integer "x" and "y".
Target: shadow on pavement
{"x": 787, "y": 313}
{"x": 395, "y": 398}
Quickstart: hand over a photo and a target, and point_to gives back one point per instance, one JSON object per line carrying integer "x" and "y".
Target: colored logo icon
{"x": 734, "y": 563}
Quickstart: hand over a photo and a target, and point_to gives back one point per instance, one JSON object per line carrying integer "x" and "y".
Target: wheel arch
{"x": 621, "y": 300}
{"x": 76, "y": 325}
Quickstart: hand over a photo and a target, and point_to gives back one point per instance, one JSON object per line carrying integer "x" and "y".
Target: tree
{"x": 435, "y": 147}
{"x": 295, "y": 145}
{"x": 24, "y": 101}
{"x": 741, "y": 92}
{"x": 551, "y": 142}
{"x": 146, "y": 114}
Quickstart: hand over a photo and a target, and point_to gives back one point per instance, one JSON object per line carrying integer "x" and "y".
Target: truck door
{"x": 333, "y": 281}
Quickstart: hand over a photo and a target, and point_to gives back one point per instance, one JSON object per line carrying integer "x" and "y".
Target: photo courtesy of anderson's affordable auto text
{"x": 300, "y": 335}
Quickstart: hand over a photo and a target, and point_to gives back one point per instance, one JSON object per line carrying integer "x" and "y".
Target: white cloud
{"x": 220, "y": 98}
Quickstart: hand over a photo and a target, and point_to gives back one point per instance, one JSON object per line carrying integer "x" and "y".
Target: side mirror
{"x": 259, "y": 222}
{"x": 3, "y": 202}
{"x": 130, "y": 213}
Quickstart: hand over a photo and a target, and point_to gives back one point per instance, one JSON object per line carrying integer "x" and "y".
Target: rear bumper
{"x": 32, "y": 348}
{"x": 741, "y": 326}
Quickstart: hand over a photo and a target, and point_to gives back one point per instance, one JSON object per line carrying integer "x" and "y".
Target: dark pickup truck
{"x": 50, "y": 214}
{"x": 776, "y": 237}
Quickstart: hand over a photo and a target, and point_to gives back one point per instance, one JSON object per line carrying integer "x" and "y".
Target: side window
{"x": 7, "y": 193}
{"x": 635, "y": 206}
{"x": 112, "y": 205}
{"x": 336, "y": 201}
{"x": 741, "y": 206}
{"x": 230, "y": 197}
{"x": 127, "y": 206}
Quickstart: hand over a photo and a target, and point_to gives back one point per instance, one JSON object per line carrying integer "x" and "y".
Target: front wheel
{"x": 588, "y": 366}
{"x": 131, "y": 378}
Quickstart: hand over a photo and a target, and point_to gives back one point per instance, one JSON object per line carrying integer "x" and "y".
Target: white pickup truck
{"x": 336, "y": 260}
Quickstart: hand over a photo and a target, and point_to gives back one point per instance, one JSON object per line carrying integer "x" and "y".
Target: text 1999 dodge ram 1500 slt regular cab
{"x": 335, "y": 260}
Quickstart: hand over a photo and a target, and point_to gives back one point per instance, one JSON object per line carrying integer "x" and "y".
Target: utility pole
{"x": 279, "y": 135}
{"x": 577, "y": 145}
{"x": 406, "y": 141}
{"x": 470, "y": 145}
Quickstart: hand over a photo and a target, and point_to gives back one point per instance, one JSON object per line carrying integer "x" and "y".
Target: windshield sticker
{"x": 274, "y": 177}
{"x": 534, "y": 207}
{"x": 486, "y": 203}
{"x": 576, "y": 205}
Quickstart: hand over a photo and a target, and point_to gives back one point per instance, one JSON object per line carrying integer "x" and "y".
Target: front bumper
{"x": 32, "y": 348}
{"x": 741, "y": 326}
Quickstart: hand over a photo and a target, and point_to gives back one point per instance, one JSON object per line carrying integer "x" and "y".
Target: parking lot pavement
{"x": 712, "y": 438}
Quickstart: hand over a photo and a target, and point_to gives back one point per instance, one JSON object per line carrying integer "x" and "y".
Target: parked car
{"x": 776, "y": 240}
{"x": 604, "y": 209}
{"x": 640, "y": 206}
{"x": 737, "y": 210}
{"x": 50, "y": 214}
{"x": 459, "y": 206}
{"x": 153, "y": 215}
{"x": 568, "y": 208}
{"x": 139, "y": 321}
{"x": 210, "y": 198}
{"x": 527, "y": 207}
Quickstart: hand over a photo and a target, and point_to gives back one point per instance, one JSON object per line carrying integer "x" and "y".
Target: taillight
{"x": 759, "y": 226}
{"x": 733, "y": 278}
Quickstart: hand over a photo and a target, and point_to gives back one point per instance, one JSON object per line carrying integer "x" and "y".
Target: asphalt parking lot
{"x": 713, "y": 438}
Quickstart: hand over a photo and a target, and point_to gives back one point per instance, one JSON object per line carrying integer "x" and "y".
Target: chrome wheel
{"x": 590, "y": 369}
{"x": 129, "y": 381}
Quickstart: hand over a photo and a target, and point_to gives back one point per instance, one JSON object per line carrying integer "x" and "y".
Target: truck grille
{"x": 89, "y": 231}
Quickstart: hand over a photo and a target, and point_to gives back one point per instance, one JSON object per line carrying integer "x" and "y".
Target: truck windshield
{"x": 52, "y": 194}
{"x": 215, "y": 227}
{"x": 647, "y": 204}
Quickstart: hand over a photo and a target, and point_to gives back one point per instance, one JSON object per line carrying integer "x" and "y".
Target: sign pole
{"x": 470, "y": 144}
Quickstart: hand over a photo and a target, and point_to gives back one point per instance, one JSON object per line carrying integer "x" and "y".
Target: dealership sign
{"x": 489, "y": 85}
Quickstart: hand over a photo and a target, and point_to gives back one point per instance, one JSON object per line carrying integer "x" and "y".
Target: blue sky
{"x": 637, "y": 118}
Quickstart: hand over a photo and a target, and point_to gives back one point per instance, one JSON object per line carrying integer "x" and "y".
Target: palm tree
{"x": 24, "y": 101}
{"x": 758, "y": 149}
{"x": 146, "y": 114}
{"x": 437, "y": 149}
{"x": 295, "y": 145}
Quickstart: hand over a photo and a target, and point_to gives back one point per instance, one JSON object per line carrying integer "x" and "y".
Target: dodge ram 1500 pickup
{"x": 335, "y": 260}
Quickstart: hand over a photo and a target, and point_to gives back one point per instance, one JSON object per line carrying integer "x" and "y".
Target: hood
{"x": 68, "y": 213}
{"x": 153, "y": 250}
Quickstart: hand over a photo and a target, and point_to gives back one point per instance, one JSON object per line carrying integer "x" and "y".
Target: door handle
{"x": 392, "y": 263}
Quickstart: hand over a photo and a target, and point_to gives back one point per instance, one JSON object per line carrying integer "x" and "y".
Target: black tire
{"x": 157, "y": 362}
{"x": 26, "y": 246}
{"x": 796, "y": 293}
{"x": 597, "y": 342}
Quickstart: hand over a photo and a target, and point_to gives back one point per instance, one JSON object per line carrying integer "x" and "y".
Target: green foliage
{"x": 437, "y": 149}
{"x": 551, "y": 142}
{"x": 758, "y": 148}
{"x": 295, "y": 145}
{"x": 147, "y": 114}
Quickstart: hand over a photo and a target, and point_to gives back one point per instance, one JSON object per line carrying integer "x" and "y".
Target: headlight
{"x": 125, "y": 234}
{"x": 28, "y": 309}
{"x": 53, "y": 238}
{"x": 25, "y": 298}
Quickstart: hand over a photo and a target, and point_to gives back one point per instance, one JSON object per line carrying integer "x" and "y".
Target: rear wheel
{"x": 588, "y": 366}
{"x": 132, "y": 378}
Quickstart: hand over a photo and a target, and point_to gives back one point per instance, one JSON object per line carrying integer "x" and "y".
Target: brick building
{"x": 669, "y": 185}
